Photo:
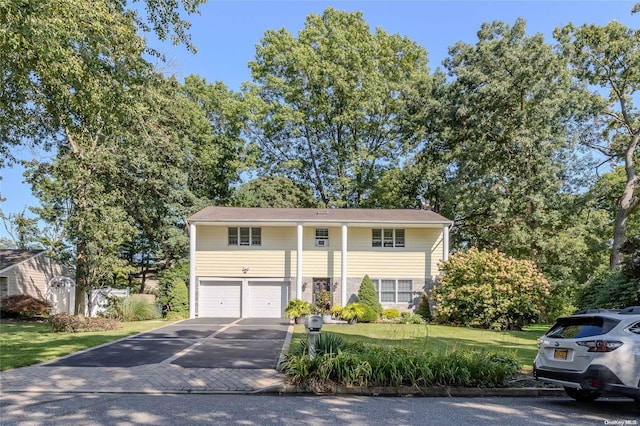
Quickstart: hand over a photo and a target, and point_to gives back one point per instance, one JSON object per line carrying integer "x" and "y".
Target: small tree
{"x": 174, "y": 292}
{"x": 488, "y": 289}
{"x": 424, "y": 310}
{"x": 368, "y": 296}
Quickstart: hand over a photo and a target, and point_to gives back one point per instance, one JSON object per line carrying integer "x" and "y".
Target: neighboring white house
{"x": 248, "y": 262}
{"x": 26, "y": 272}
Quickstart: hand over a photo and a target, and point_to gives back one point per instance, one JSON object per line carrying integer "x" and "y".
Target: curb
{"x": 418, "y": 392}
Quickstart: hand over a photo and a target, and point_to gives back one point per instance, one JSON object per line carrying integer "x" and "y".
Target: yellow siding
{"x": 277, "y": 255}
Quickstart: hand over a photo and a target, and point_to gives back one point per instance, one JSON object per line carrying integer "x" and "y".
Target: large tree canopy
{"x": 326, "y": 103}
{"x": 608, "y": 59}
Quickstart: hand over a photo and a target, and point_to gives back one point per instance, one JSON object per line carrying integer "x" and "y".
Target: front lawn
{"x": 523, "y": 344}
{"x": 27, "y": 343}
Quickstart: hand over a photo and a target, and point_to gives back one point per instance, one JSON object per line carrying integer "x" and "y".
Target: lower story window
{"x": 394, "y": 290}
{"x": 4, "y": 287}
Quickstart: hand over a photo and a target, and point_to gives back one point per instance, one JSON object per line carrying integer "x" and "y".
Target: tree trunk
{"x": 626, "y": 205}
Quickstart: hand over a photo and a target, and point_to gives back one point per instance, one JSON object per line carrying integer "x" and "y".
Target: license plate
{"x": 560, "y": 354}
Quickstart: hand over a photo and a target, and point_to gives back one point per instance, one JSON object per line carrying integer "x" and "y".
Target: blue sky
{"x": 226, "y": 33}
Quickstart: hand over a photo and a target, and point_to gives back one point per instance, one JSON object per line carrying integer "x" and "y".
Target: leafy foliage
{"x": 372, "y": 365}
{"x": 390, "y": 313}
{"x": 174, "y": 293}
{"x": 424, "y": 310}
{"x": 297, "y": 308}
{"x": 273, "y": 191}
{"x": 368, "y": 296}
{"x": 24, "y": 305}
{"x": 488, "y": 289}
{"x": 410, "y": 318}
{"x": 131, "y": 308}
{"x": 609, "y": 289}
{"x": 326, "y": 103}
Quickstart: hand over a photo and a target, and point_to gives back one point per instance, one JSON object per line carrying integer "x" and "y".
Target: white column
{"x": 192, "y": 270}
{"x": 445, "y": 243}
{"x": 299, "y": 262}
{"x": 343, "y": 266}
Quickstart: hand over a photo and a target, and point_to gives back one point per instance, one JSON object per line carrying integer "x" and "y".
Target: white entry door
{"x": 220, "y": 299}
{"x": 266, "y": 299}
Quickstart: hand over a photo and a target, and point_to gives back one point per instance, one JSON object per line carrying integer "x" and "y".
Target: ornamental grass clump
{"x": 363, "y": 364}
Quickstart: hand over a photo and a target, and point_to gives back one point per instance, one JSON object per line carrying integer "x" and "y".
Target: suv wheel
{"x": 582, "y": 395}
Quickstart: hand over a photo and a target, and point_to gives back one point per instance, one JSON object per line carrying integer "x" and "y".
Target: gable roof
{"x": 10, "y": 258}
{"x": 286, "y": 215}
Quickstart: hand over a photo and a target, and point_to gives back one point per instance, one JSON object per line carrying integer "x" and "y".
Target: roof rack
{"x": 630, "y": 310}
{"x": 592, "y": 311}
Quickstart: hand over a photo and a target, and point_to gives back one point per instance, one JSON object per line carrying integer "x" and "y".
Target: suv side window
{"x": 634, "y": 328}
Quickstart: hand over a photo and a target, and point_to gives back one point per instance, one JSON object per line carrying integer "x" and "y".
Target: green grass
{"x": 28, "y": 343}
{"x": 523, "y": 344}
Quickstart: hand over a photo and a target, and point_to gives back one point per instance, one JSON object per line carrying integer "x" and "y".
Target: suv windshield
{"x": 576, "y": 327}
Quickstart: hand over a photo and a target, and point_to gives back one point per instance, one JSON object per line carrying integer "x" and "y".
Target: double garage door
{"x": 242, "y": 298}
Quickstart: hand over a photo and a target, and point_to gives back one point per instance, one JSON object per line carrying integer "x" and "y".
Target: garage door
{"x": 220, "y": 299}
{"x": 267, "y": 299}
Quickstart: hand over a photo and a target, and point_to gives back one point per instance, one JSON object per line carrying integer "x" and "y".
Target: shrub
{"x": 364, "y": 364}
{"x": 390, "y": 313}
{"x": 610, "y": 289}
{"x": 73, "y": 323}
{"x": 174, "y": 292}
{"x": 369, "y": 315}
{"x": 23, "y": 305}
{"x": 336, "y": 311}
{"x": 409, "y": 318}
{"x": 424, "y": 310}
{"x": 135, "y": 309}
{"x": 326, "y": 344}
{"x": 368, "y": 296}
{"x": 353, "y": 311}
{"x": 488, "y": 289}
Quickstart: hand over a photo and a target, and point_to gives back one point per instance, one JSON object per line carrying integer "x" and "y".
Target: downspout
{"x": 445, "y": 243}
{"x": 343, "y": 267}
{"x": 299, "y": 262}
{"x": 192, "y": 270}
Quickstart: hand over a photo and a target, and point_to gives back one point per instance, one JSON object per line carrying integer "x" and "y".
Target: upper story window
{"x": 322, "y": 237}
{"x": 245, "y": 236}
{"x": 387, "y": 237}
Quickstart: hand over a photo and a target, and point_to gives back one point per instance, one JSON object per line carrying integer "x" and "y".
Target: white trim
{"x": 300, "y": 235}
{"x": 445, "y": 243}
{"x": 343, "y": 266}
{"x": 192, "y": 270}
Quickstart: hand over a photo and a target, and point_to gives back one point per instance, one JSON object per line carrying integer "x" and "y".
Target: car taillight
{"x": 600, "y": 345}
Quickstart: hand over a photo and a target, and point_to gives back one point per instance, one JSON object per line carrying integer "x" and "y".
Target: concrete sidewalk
{"x": 150, "y": 378}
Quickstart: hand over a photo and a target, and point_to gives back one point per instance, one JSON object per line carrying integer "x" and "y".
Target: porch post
{"x": 343, "y": 266}
{"x": 299, "y": 262}
{"x": 192, "y": 270}
{"x": 445, "y": 243}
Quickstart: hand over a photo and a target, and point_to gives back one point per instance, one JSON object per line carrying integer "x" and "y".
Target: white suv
{"x": 592, "y": 352}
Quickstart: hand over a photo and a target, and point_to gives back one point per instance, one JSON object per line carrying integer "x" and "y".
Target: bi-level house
{"x": 248, "y": 262}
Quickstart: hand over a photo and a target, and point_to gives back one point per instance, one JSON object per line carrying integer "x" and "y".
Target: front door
{"x": 320, "y": 285}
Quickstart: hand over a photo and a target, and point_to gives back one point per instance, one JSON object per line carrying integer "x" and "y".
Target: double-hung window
{"x": 244, "y": 236}
{"x": 394, "y": 290}
{"x": 387, "y": 237}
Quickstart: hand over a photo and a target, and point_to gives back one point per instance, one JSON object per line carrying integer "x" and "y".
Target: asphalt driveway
{"x": 248, "y": 343}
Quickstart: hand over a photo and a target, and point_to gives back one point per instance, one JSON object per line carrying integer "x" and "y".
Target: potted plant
{"x": 297, "y": 310}
{"x": 323, "y": 305}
